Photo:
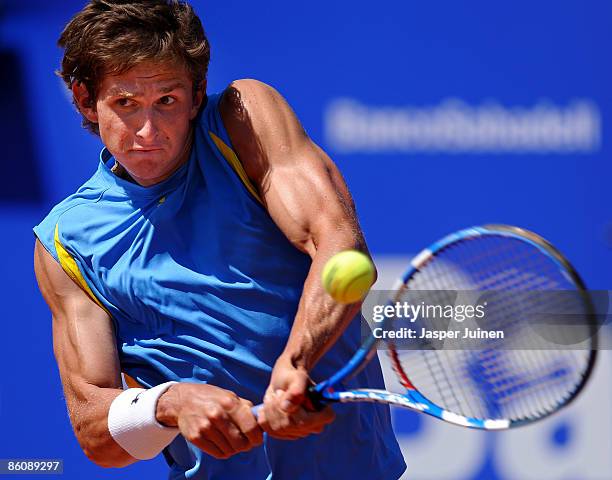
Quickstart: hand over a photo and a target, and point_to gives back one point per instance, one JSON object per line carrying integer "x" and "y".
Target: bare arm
{"x": 306, "y": 196}
{"x": 214, "y": 419}
{"x": 86, "y": 354}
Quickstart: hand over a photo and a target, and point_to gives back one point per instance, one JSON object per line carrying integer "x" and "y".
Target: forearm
{"x": 89, "y": 416}
{"x": 320, "y": 320}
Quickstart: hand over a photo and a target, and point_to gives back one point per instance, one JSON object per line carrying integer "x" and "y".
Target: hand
{"x": 284, "y": 415}
{"x": 213, "y": 419}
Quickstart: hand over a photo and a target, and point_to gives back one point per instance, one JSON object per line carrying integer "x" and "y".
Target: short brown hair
{"x": 112, "y": 36}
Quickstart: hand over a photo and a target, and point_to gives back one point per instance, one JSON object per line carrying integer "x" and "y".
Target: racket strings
{"x": 518, "y": 310}
{"x": 511, "y": 390}
{"x": 493, "y": 381}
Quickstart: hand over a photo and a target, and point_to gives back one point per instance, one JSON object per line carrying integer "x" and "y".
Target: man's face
{"x": 144, "y": 119}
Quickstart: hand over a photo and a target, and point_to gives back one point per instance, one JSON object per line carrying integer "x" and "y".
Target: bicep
{"x": 308, "y": 198}
{"x": 300, "y": 185}
{"x": 83, "y": 333}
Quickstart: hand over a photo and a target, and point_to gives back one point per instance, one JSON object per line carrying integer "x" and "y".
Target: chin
{"x": 150, "y": 170}
{"x": 146, "y": 161}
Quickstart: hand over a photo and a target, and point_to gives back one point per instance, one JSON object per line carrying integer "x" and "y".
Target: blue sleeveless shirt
{"x": 202, "y": 286}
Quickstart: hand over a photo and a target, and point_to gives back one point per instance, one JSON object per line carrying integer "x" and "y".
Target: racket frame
{"x": 325, "y": 392}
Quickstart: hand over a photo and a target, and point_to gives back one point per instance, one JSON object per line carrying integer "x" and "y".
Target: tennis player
{"x": 190, "y": 261}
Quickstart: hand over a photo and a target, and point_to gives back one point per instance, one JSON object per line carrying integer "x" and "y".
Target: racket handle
{"x": 255, "y": 410}
{"x": 314, "y": 403}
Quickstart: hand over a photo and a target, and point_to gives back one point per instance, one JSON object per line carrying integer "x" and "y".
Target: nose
{"x": 148, "y": 128}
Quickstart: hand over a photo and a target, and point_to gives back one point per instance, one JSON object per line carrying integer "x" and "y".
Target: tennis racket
{"x": 499, "y": 383}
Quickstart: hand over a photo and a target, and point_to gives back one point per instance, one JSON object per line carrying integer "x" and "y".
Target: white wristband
{"x": 133, "y": 425}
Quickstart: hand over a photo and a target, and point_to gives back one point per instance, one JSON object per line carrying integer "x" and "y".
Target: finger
{"x": 208, "y": 446}
{"x": 295, "y": 394}
{"x": 219, "y": 439}
{"x": 271, "y": 400}
{"x": 272, "y": 411}
{"x": 305, "y": 421}
{"x": 262, "y": 420}
{"x": 231, "y": 433}
{"x": 247, "y": 423}
{"x": 205, "y": 436}
{"x": 268, "y": 396}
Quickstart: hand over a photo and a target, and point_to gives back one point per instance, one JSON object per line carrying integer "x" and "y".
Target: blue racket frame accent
{"x": 413, "y": 400}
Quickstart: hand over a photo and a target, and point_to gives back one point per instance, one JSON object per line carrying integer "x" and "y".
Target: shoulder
{"x": 249, "y": 107}
{"x": 249, "y": 96}
{"x": 89, "y": 194}
{"x": 260, "y": 123}
{"x": 70, "y": 217}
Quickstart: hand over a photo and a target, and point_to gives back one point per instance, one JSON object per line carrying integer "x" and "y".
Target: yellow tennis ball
{"x": 347, "y": 276}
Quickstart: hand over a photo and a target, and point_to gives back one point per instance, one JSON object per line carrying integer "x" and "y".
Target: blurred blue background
{"x": 499, "y": 112}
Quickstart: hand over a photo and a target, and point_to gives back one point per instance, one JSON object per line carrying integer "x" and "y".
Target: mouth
{"x": 146, "y": 150}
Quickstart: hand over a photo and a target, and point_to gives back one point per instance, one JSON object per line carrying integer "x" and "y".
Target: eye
{"x": 167, "y": 100}
{"x": 124, "y": 102}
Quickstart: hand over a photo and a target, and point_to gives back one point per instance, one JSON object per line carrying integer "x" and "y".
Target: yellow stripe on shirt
{"x": 234, "y": 162}
{"x": 72, "y": 269}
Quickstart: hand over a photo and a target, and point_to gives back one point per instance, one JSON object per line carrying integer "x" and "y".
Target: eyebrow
{"x": 121, "y": 92}
{"x": 172, "y": 86}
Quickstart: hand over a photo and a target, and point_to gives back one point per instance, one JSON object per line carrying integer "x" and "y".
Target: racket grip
{"x": 255, "y": 409}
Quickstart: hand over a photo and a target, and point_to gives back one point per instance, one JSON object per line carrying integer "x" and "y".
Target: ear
{"x": 84, "y": 102}
{"x": 198, "y": 98}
